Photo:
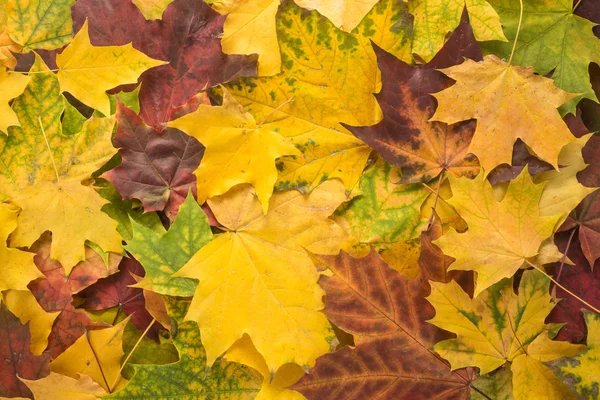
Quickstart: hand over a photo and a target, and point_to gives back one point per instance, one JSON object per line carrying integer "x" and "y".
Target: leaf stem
{"x": 130, "y": 353}
{"x": 575, "y": 6}
{"x": 275, "y": 110}
{"x": 480, "y": 392}
{"x": 87, "y": 336}
{"x": 564, "y": 257}
{"x": 437, "y": 196}
{"x": 562, "y": 287}
{"x": 512, "y": 53}
{"x": 49, "y": 149}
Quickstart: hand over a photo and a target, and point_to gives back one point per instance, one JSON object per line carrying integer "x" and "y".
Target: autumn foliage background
{"x": 321, "y": 199}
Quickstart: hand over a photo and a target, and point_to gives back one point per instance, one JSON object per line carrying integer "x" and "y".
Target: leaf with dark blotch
{"x": 434, "y": 263}
{"x": 15, "y": 357}
{"x": 114, "y": 291}
{"x": 55, "y": 293}
{"x": 385, "y": 312}
{"x": 586, "y": 217}
{"x": 158, "y": 167}
{"x": 405, "y": 138}
{"x": 582, "y": 281}
{"x": 188, "y": 36}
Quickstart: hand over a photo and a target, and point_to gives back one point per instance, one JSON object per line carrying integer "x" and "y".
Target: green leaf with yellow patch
{"x": 500, "y": 327}
{"x": 163, "y": 254}
{"x": 190, "y": 378}
{"x": 385, "y": 212}
{"x": 39, "y": 24}
{"x": 583, "y": 371}
{"x": 328, "y": 76}
{"x": 502, "y": 235}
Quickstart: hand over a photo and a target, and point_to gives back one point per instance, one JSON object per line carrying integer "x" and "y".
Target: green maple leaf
{"x": 552, "y": 38}
{"x": 163, "y": 254}
{"x": 190, "y": 378}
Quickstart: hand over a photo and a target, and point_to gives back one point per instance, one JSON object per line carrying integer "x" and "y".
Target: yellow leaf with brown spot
{"x": 509, "y": 103}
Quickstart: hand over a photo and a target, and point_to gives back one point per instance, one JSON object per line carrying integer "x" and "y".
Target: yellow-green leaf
{"x": 39, "y": 24}
{"x": 501, "y": 235}
{"x": 344, "y": 14}
{"x": 152, "y": 9}
{"x": 87, "y": 71}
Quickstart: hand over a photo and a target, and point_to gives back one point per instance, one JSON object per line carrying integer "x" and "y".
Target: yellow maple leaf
{"x": 500, "y": 326}
{"x": 12, "y": 85}
{"x": 97, "y": 354}
{"x": 56, "y": 386}
{"x": 501, "y": 235}
{"x": 258, "y": 279}
{"x": 152, "y": 9}
{"x": 238, "y": 150}
{"x": 17, "y": 267}
{"x": 273, "y": 387}
{"x": 345, "y": 14}
{"x": 87, "y": 71}
{"x": 23, "y": 304}
{"x": 72, "y": 212}
{"x": 7, "y": 47}
{"x": 250, "y": 29}
{"x": 509, "y": 102}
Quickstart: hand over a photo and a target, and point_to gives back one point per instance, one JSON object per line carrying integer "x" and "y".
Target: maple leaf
{"x": 582, "y": 371}
{"x": 164, "y": 253}
{"x": 500, "y": 326}
{"x": 551, "y": 39}
{"x": 585, "y": 219}
{"x": 509, "y": 102}
{"x": 14, "y": 85}
{"x": 17, "y": 359}
{"x": 7, "y": 47}
{"x": 273, "y": 387}
{"x": 257, "y": 278}
{"x": 18, "y": 268}
{"x": 187, "y": 37}
{"x": 591, "y": 175}
{"x": 152, "y": 9}
{"x": 563, "y": 192}
{"x": 41, "y": 171}
{"x": 56, "y": 386}
{"x": 385, "y": 312}
{"x": 404, "y": 137}
{"x": 39, "y": 24}
{"x": 24, "y": 306}
{"x": 502, "y": 235}
{"x": 190, "y": 377}
{"x": 238, "y": 149}
{"x": 316, "y": 70}
{"x": 344, "y": 14}
{"x": 97, "y": 354}
{"x": 250, "y": 29}
{"x": 113, "y": 291}
{"x": 384, "y": 213}
{"x": 435, "y": 18}
{"x": 582, "y": 280}
{"x": 87, "y": 72}
{"x": 157, "y": 167}
{"x": 496, "y": 385}
{"x": 54, "y": 294}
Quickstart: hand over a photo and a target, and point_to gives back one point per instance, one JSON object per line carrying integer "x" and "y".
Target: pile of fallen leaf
{"x": 321, "y": 199}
